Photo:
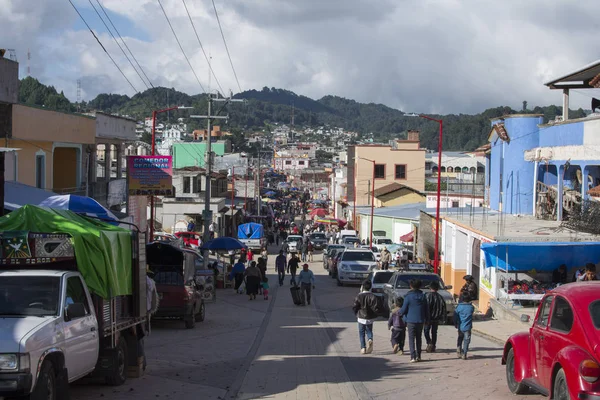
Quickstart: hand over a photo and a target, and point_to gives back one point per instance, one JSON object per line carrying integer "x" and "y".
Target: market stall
{"x": 524, "y": 269}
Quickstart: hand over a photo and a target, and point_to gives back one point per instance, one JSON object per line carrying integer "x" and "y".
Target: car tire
{"x": 45, "y": 387}
{"x": 514, "y": 386}
{"x": 201, "y": 313}
{"x": 190, "y": 321}
{"x": 560, "y": 390}
{"x": 118, "y": 375}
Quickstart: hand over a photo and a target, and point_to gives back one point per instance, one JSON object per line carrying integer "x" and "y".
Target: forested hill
{"x": 267, "y": 106}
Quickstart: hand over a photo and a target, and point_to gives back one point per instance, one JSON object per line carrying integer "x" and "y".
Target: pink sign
{"x": 150, "y": 175}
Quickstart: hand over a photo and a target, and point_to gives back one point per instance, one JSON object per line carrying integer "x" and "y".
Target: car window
{"x": 370, "y": 277}
{"x": 403, "y": 281}
{"x": 317, "y": 236}
{"x": 76, "y": 293}
{"x": 383, "y": 277}
{"x": 595, "y": 313}
{"x": 544, "y": 312}
{"x": 562, "y": 315}
{"x": 358, "y": 256}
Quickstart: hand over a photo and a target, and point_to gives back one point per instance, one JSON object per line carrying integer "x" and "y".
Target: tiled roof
{"x": 392, "y": 187}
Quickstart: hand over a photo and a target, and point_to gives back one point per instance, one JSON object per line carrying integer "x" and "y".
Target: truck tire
{"x": 201, "y": 314}
{"x": 45, "y": 387}
{"x": 118, "y": 375}
{"x": 190, "y": 320}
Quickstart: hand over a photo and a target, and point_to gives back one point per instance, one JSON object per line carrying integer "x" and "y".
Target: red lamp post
{"x": 232, "y": 199}
{"x": 154, "y": 114}
{"x": 372, "y": 201}
{"x": 436, "y": 260}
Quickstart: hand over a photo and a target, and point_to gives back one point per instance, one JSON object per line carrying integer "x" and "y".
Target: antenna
{"x": 28, "y": 63}
{"x": 78, "y": 95}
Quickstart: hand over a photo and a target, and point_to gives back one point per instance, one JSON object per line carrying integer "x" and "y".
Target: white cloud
{"x": 427, "y": 56}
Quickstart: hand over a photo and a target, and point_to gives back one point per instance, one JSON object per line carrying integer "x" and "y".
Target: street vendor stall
{"x": 525, "y": 268}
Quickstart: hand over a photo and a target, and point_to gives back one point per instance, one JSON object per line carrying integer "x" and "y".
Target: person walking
{"x": 280, "y": 266}
{"x": 262, "y": 266}
{"x": 292, "y": 267}
{"x": 398, "y": 327}
{"x": 237, "y": 274}
{"x": 211, "y": 230}
{"x": 463, "y": 321}
{"x": 310, "y": 251}
{"x": 304, "y": 250}
{"x": 366, "y": 309}
{"x": 253, "y": 280}
{"x": 437, "y": 315}
{"x": 306, "y": 278}
{"x": 386, "y": 259}
{"x": 415, "y": 311}
{"x": 265, "y": 254}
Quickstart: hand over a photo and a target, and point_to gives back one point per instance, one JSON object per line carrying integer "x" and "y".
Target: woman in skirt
{"x": 253, "y": 280}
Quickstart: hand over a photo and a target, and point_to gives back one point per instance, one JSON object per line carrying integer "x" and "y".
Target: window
{"x": 300, "y": 162}
{"x": 562, "y": 316}
{"x": 195, "y": 186}
{"x": 186, "y": 184}
{"x": 400, "y": 172}
{"x": 288, "y": 162}
{"x": 544, "y": 312}
{"x": 379, "y": 171}
{"x": 455, "y": 204}
{"x": 595, "y": 313}
{"x": 76, "y": 293}
{"x": 40, "y": 171}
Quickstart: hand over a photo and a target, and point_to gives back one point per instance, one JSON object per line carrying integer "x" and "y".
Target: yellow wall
{"x": 31, "y": 123}
{"x": 64, "y": 168}
{"x": 399, "y": 197}
{"x": 412, "y": 157}
{"x": 26, "y": 160}
{"x": 484, "y": 298}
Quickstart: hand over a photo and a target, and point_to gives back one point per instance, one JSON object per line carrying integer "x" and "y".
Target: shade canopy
{"x": 409, "y": 237}
{"x": 79, "y": 205}
{"x": 319, "y": 212}
{"x": 539, "y": 256}
{"x": 224, "y": 243}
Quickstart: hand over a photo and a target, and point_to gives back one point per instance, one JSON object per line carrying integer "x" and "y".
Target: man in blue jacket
{"x": 463, "y": 320}
{"x": 416, "y": 314}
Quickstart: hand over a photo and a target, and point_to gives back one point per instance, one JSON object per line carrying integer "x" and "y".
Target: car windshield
{"x": 295, "y": 239}
{"x": 333, "y": 249}
{"x": 383, "y": 277}
{"x": 351, "y": 240}
{"x": 358, "y": 256}
{"x": 595, "y": 313}
{"x": 385, "y": 241}
{"x": 403, "y": 281}
{"x": 21, "y": 296}
{"x": 317, "y": 236}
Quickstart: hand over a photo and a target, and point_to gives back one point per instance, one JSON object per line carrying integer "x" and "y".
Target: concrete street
{"x": 276, "y": 350}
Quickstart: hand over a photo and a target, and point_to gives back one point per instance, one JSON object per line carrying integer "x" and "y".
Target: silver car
{"x": 399, "y": 286}
{"x": 354, "y": 266}
{"x": 378, "y": 280}
{"x": 329, "y": 251}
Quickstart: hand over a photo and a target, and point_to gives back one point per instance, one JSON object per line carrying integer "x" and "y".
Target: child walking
{"x": 398, "y": 327}
{"x": 463, "y": 320}
{"x": 265, "y": 287}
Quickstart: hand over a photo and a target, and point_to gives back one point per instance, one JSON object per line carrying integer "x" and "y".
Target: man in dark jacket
{"x": 437, "y": 315}
{"x": 416, "y": 313}
{"x": 470, "y": 287}
{"x": 366, "y": 310}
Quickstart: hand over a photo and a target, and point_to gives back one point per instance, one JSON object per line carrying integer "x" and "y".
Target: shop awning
{"x": 539, "y": 256}
{"x": 409, "y": 237}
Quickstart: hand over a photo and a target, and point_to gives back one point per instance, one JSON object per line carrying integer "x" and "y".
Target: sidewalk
{"x": 499, "y": 331}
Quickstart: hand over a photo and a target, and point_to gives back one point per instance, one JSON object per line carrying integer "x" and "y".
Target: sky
{"x": 427, "y": 56}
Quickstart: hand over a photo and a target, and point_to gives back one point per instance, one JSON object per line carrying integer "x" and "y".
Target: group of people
{"x": 306, "y": 278}
{"x": 253, "y": 276}
{"x": 418, "y": 313}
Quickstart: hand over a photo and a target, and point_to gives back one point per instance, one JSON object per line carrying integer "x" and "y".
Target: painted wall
{"x": 9, "y": 80}
{"x": 561, "y": 135}
{"x": 399, "y": 197}
{"x": 108, "y": 126}
{"x": 64, "y": 168}
{"x": 193, "y": 154}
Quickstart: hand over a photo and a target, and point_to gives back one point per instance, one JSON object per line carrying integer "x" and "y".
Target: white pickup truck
{"x": 53, "y": 329}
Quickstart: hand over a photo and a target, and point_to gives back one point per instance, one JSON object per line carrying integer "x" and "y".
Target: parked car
{"x": 375, "y": 251}
{"x": 295, "y": 243}
{"x": 560, "y": 355}
{"x": 174, "y": 272}
{"x": 329, "y": 251}
{"x": 350, "y": 241}
{"x": 190, "y": 239}
{"x": 380, "y": 242}
{"x": 335, "y": 259}
{"x": 318, "y": 240}
{"x": 354, "y": 266}
{"x": 378, "y": 279}
{"x": 399, "y": 285}
{"x": 164, "y": 237}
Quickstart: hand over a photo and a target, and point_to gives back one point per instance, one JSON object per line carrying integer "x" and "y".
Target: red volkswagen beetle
{"x": 559, "y": 356}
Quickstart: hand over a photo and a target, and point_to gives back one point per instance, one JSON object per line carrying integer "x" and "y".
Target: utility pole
{"x": 207, "y": 214}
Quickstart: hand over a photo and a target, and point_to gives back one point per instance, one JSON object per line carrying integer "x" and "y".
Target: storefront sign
{"x": 150, "y": 175}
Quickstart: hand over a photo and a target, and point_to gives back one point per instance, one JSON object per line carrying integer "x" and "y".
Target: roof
{"x": 586, "y": 77}
{"x": 410, "y": 211}
{"x": 393, "y": 187}
{"x": 500, "y": 130}
{"x": 17, "y": 194}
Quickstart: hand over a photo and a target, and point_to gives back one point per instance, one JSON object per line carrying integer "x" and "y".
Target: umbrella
{"x": 342, "y": 222}
{"x": 319, "y": 212}
{"x": 270, "y": 193}
{"x": 328, "y": 221}
{"x": 224, "y": 243}
{"x": 80, "y": 205}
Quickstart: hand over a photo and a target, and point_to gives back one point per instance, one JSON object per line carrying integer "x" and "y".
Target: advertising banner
{"x": 150, "y": 175}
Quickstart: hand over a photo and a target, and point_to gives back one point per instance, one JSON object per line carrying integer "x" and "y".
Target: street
{"x": 274, "y": 350}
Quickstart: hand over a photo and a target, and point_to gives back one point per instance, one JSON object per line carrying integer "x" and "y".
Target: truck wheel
{"x": 118, "y": 375}
{"x": 201, "y": 314}
{"x": 514, "y": 386}
{"x": 190, "y": 321}
{"x": 45, "y": 388}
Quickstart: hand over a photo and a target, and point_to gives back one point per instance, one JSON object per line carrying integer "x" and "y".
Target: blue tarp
{"x": 250, "y": 231}
{"x": 541, "y": 256}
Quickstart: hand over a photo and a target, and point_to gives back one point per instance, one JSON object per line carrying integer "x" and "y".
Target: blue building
{"x": 543, "y": 168}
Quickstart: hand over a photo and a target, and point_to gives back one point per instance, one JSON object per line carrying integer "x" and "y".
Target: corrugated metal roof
{"x": 405, "y": 211}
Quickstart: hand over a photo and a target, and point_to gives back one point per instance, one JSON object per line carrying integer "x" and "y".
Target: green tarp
{"x": 103, "y": 251}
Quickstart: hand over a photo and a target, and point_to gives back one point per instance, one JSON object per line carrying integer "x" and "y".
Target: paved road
{"x": 275, "y": 350}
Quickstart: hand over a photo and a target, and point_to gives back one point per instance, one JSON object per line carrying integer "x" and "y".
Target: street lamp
{"x": 154, "y": 114}
{"x": 372, "y": 200}
{"x": 436, "y": 259}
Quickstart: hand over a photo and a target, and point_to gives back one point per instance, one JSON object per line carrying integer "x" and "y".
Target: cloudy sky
{"x": 431, "y": 56}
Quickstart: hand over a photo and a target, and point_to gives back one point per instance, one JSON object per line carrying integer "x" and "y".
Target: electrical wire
{"x": 103, "y": 48}
{"x": 202, "y": 48}
{"x": 226, "y": 47}
{"x": 123, "y": 40}
{"x": 180, "y": 47}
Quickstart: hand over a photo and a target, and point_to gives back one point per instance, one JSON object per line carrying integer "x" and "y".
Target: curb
{"x": 488, "y": 336}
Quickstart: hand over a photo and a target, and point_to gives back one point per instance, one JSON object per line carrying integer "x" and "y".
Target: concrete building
{"x": 395, "y": 221}
{"x": 454, "y": 162}
{"x": 193, "y": 154}
{"x": 454, "y": 200}
{"x": 216, "y": 134}
{"x": 403, "y": 162}
{"x": 287, "y": 163}
{"x": 396, "y": 194}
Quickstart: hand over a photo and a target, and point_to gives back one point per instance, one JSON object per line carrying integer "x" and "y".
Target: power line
{"x": 123, "y": 40}
{"x": 202, "y": 47}
{"x": 226, "y": 48}
{"x": 179, "y": 43}
{"x": 115, "y": 39}
{"x": 103, "y": 48}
